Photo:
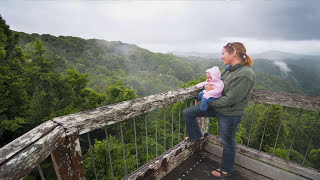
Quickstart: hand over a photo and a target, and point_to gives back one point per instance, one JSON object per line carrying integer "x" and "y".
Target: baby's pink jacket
{"x": 216, "y": 82}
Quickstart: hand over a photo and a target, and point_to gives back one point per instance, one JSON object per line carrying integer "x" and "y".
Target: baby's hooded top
{"x": 216, "y": 81}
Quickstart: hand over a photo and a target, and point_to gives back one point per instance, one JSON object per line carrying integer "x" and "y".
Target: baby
{"x": 213, "y": 76}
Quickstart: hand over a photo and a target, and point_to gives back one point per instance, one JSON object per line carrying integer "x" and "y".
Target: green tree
{"x": 283, "y": 153}
{"x": 118, "y": 93}
{"x": 43, "y": 83}
{"x": 314, "y": 158}
{"x": 296, "y": 156}
{"x": 271, "y": 131}
{"x": 102, "y": 163}
{"x": 13, "y": 95}
{"x": 31, "y": 88}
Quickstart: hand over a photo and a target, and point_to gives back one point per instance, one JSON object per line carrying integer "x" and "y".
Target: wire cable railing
{"x": 59, "y": 137}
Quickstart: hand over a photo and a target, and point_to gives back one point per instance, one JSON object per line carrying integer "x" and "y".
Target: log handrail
{"x": 29, "y": 150}
{"x": 299, "y": 101}
{"x": 23, "y": 154}
{"x": 90, "y": 120}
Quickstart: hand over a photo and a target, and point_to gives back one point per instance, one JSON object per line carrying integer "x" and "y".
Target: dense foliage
{"x": 32, "y": 91}
{"x": 149, "y": 73}
{"x": 109, "y": 62}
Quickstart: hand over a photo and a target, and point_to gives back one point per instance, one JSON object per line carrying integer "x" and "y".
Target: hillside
{"x": 294, "y": 75}
{"x": 148, "y": 73}
{"x": 108, "y": 62}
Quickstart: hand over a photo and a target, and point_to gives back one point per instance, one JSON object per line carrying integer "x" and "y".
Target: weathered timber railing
{"x": 60, "y": 136}
{"x": 298, "y": 101}
{"x": 272, "y": 167}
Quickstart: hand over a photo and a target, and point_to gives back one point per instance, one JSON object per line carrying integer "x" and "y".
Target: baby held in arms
{"x": 213, "y": 76}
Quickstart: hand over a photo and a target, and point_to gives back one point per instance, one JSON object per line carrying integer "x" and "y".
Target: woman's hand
{"x": 208, "y": 87}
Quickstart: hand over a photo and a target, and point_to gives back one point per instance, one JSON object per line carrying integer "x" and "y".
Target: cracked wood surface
{"x": 299, "y": 101}
{"x": 25, "y": 140}
{"x": 67, "y": 159}
{"x": 21, "y": 164}
{"x": 90, "y": 120}
{"x": 38, "y": 143}
{"x": 20, "y": 156}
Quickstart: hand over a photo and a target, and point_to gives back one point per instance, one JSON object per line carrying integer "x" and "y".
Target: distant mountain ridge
{"x": 280, "y": 55}
{"x": 272, "y": 55}
{"x": 196, "y": 54}
{"x": 150, "y": 73}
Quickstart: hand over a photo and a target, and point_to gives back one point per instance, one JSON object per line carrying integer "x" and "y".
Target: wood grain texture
{"x": 90, "y": 120}
{"x": 67, "y": 159}
{"x": 21, "y": 164}
{"x": 19, "y": 144}
{"x": 299, "y": 101}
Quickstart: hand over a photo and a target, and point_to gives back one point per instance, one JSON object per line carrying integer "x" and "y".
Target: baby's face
{"x": 208, "y": 76}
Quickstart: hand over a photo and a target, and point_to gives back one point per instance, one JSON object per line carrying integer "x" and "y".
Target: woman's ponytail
{"x": 248, "y": 61}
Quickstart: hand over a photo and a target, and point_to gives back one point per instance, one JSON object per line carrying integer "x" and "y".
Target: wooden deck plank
{"x": 198, "y": 167}
{"x": 268, "y": 165}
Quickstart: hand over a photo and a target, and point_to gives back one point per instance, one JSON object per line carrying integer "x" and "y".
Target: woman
{"x": 238, "y": 80}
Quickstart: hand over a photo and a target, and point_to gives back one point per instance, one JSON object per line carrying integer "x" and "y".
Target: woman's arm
{"x": 208, "y": 87}
{"x": 238, "y": 91}
{"x": 217, "y": 90}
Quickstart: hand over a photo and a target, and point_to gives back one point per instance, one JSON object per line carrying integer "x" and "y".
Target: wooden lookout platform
{"x": 59, "y": 138}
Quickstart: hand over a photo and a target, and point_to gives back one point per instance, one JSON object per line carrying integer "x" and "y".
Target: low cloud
{"x": 283, "y": 67}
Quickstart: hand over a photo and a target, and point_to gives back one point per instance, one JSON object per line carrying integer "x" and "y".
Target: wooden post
{"x": 203, "y": 122}
{"x": 67, "y": 159}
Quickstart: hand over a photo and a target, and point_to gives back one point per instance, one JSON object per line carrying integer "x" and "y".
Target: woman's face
{"x": 227, "y": 57}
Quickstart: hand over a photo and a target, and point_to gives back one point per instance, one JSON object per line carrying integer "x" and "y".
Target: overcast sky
{"x": 185, "y": 25}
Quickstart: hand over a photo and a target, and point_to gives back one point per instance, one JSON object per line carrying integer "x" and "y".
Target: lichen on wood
{"x": 26, "y": 152}
{"x": 22, "y": 163}
{"x": 67, "y": 159}
{"x": 90, "y": 120}
{"x": 299, "y": 101}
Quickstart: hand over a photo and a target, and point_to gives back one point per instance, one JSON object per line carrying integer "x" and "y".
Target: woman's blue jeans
{"x": 227, "y": 128}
